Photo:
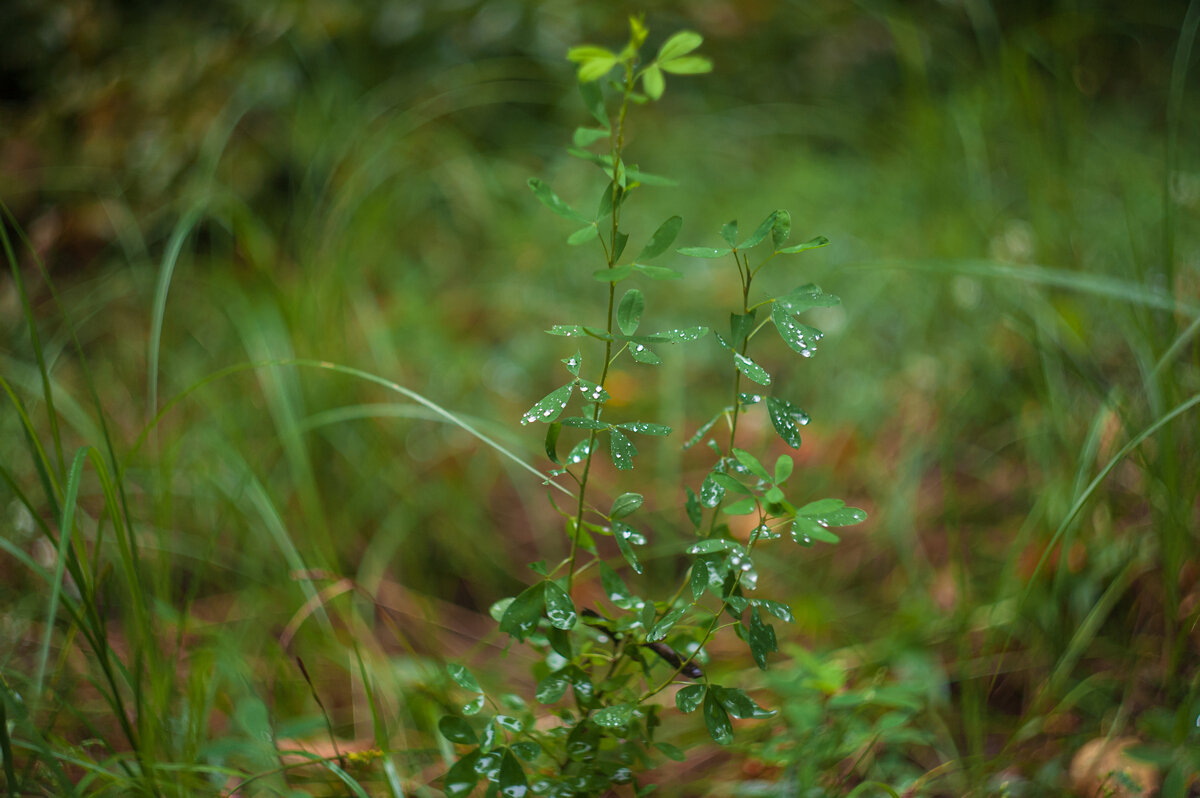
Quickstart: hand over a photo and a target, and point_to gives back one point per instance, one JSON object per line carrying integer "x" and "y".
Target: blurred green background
{"x": 1012, "y": 190}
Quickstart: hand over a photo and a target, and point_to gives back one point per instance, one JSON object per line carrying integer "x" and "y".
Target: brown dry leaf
{"x": 1102, "y": 769}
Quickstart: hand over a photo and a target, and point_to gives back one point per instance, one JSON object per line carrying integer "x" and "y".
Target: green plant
{"x": 616, "y": 659}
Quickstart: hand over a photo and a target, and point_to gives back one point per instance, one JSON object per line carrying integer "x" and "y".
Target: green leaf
{"x": 457, "y": 730}
{"x": 461, "y": 778}
{"x": 621, "y": 449}
{"x": 527, "y": 750}
{"x": 622, "y": 240}
{"x": 510, "y": 724}
{"x": 805, "y": 531}
{"x": 552, "y": 688}
{"x": 646, "y": 428}
{"x": 554, "y": 203}
{"x": 652, "y": 82}
{"x": 568, "y": 330}
{"x": 559, "y": 640}
{"x": 663, "y": 627}
{"x": 799, "y": 337}
{"x": 580, "y": 422}
{"x": 551, "y": 443}
{"x": 751, "y": 463}
{"x": 607, "y": 199}
{"x": 777, "y": 608}
{"x": 625, "y": 504}
{"x": 463, "y": 678}
{"x": 805, "y": 297}
{"x": 688, "y": 698}
{"x": 521, "y": 618}
{"x": 761, "y": 639}
{"x": 585, "y": 136}
{"x": 738, "y": 704}
{"x": 774, "y": 495}
{"x": 740, "y": 326}
{"x": 783, "y": 469}
{"x": 559, "y": 607}
{"x": 670, "y": 752}
{"x": 474, "y": 706}
{"x": 703, "y": 252}
{"x": 681, "y": 43}
{"x": 712, "y": 545}
{"x": 658, "y": 272}
{"x": 583, "y": 235}
{"x": 729, "y": 232}
{"x": 512, "y": 777}
{"x": 813, "y": 243}
{"x": 716, "y": 720}
{"x": 729, "y": 483}
{"x": 594, "y": 62}
{"x": 550, "y": 406}
{"x": 629, "y": 312}
{"x": 614, "y": 275}
{"x": 759, "y": 233}
{"x": 662, "y": 239}
{"x": 593, "y": 98}
{"x": 622, "y": 533}
{"x": 614, "y": 717}
{"x": 682, "y": 336}
{"x": 781, "y": 229}
{"x": 615, "y": 588}
{"x": 591, "y": 392}
{"x": 741, "y": 507}
{"x": 695, "y": 513}
{"x": 832, "y": 512}
{"x": 785, "y": 417}
{"x": 688, "y": 65}
{"x": 751, "y": 369}
{"x": 644, "y": 354}
{"x": 711, "y": 492}
{"x": 704, "y": 428}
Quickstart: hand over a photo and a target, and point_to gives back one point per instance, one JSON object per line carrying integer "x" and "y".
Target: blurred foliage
{"x": 1013, "y": 194}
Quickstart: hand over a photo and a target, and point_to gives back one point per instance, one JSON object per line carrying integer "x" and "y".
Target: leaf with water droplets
{"x": 762, "y": 640}
{"x": 751, "y": 369}
{"x": 509, "y": 723}
{"x": 559, "y": 607}
{"x": 681, "y": 336}
{"x": 462, "y": 776}
{"x": 742, "y": 507}
{"x": 738, "y": 704}
{"x": 527, "y": 750}
{"x": 552, "y": 688}
{"x": 717, "y": 720}
{"x": 751, "y": 462}
{"x": 550, "y": 406}
{"x": 800, "y": 337}
{"x": 781, "y": 229}
{"x": 812, "y": 243}
{"x": 573, "y": 363}
{"x": 457, "y": 730}
{"x": 729, "y": 232}
{"x": 623, "y": 534}
{"x": 621, "y": 449}
{"x": 474, "y": 706}
{"x": 785, "y": 417}
{"x": 625, "y": 504}
{"x": 646, "y": 428}
{"x": 591, "y": 392}
{"x": 615, "y": 588}
{"x": 832, "y": 512}
{"x": 703, "y": 252}
{"x": 663, "y": 627}
{"x": 807, "y": 296}
{"x": 729, "y": 483}
{"x": 568, "y": 330}
{"x": 760, "y": 232}
{"x": 579, "y": 452}
{"x": 711, "y": 545}
{"x": 643, "y": 354}
{"x": 711, "y": 492}
{"x": 552, "y": 201}
{"x": 805, "y": 531}
{"x": 704, "y": 428}
{"x": 689, "y": 698}
{"x": 522, "y": 616}
{"x": 614, "y": 717}
{"x": 629, "y": 312}
{"x": 777, "y": 608}
{"x": 581, "y": 422}
{"x": 463, "y": 678}
{"x": 512, "y": 777}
